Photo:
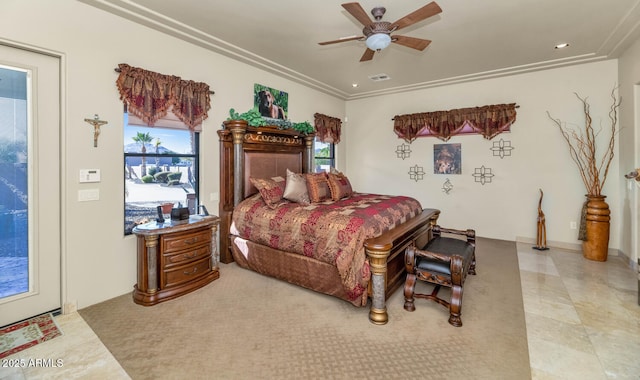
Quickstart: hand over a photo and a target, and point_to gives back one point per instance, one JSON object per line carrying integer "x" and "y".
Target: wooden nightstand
{"x": 175, "y": 258}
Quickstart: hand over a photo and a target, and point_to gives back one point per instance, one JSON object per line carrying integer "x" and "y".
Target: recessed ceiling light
{"x": 562, "y": 46}
{"x": 354, "y": 85}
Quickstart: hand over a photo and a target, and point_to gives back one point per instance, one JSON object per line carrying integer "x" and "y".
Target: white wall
{"x": 629, "y": 79}
{"x": 99, "y": 261}
{"x": 507, "y": 207}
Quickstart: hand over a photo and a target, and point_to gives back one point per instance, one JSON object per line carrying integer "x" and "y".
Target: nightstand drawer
{"x": 183, "y": 257}
{"x": 179, "y": 242}
{"x": 181, "y": 274}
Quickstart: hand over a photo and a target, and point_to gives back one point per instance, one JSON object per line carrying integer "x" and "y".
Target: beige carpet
{"x": 245, "y": 325}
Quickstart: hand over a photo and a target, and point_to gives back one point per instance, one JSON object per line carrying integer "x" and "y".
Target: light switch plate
{"x": 89, "y": 175}
{"x": 88, "y": 195}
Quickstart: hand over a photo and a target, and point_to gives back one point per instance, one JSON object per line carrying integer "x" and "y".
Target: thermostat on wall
{"x": 89, "y": 175}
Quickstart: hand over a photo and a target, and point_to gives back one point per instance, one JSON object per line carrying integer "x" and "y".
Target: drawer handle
{"x": 191, "y": 241}
{"x": 191, "y": 255}
{"x": 195, "y": 269}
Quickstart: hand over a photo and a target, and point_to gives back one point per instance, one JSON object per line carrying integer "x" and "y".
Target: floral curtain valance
{"x": 328, "y": 128}
{"x": 150, "y": 96}
{"x": 488, "y": 121}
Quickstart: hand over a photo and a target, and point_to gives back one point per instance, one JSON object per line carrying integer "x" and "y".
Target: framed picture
{"x": 271, "y": 103}
{"x": 447, "y": 159}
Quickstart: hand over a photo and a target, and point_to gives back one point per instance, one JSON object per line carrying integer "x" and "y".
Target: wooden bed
{"x": 267, "y": 152}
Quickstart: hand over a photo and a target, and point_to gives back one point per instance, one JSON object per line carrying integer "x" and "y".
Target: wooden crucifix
{"x": 96, "y": 122}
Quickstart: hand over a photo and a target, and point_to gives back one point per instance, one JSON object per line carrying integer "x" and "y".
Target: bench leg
{"x": 472, "y": 267}
{"x": 455, "y": 306}
{"x": 409, "y": 288}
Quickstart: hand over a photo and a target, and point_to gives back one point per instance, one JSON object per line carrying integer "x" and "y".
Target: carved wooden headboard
{"x": 263, "y": 152}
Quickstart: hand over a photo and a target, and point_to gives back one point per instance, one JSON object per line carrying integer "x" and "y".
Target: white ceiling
{"x": 472, "y": 39}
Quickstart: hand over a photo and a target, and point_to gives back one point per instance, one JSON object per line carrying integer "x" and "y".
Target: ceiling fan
{"x": 377, "y": 34}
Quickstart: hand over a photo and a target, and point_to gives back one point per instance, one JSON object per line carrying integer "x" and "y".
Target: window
{"x": 161, "y": 167}
{"x": 324, "y": 156}
{"x": 15, "y": 175}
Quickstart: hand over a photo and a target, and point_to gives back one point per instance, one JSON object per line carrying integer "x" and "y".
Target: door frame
{"x": 635, "y": 193}
{"x": 67, "y": 307}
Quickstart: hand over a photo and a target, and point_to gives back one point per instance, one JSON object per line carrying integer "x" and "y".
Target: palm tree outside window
{"x": 143, "y": 139}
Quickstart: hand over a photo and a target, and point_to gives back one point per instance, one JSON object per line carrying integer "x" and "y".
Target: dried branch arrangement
{"x": 583, "y": 149}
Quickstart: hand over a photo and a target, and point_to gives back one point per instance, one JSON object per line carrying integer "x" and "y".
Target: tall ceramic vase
{"x": 596, "y": 246}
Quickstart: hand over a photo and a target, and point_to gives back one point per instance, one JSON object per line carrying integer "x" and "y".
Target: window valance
{"x": 488, "y": 121}
{"x": 150, "y": 95}
{"x": 328, "y": 128}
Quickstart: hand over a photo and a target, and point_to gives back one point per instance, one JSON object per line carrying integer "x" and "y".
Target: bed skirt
{"x": 291, "y": 267}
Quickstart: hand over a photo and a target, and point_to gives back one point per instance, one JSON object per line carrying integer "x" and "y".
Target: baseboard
{"x": 634, "y": 265}
{"x": 69, "y": 307}
{"x": 552, "y": 244}
{"x": 577, "y": 247}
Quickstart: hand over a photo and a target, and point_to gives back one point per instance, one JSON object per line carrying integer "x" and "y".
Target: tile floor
{"x": 583, "y": 322}
{"x": 583, "y": 317}
{"x": 83, "y": 356}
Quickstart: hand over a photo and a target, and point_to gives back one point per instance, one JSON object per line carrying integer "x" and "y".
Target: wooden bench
{"x": 443, "y": 261}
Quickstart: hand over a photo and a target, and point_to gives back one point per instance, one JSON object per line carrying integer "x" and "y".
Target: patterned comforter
{"x": 332, "y": 231}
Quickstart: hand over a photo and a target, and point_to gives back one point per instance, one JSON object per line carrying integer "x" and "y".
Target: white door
{"x": 29, "y": 184}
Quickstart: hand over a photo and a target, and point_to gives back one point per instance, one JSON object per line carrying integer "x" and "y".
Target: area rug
{"x": 245, "y": 325}
{"x": 28, "y": 333}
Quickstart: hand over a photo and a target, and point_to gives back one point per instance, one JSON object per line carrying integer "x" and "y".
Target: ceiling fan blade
{"x": 427, "y": 11}
{"x": 368, "y": 55}
{"x": 343, "y": 39}
{"x": 356, "y": 10}
{"x": 412, "y": 42}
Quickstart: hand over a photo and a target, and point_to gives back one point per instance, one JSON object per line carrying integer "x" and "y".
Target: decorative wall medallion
{"x": 483, "y": 175}
{"x": 447, "y": 186}
{"x": 502, "y": 148}
{"x": 416, "y": 173}
{"x": 403, "y": 151}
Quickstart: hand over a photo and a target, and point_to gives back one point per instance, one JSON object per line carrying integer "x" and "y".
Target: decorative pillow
{"x": 271, "y": 190}
{"x": 340, "y": 186}
{"x": 318, "y": 187}
{"x": 296, "y": 188}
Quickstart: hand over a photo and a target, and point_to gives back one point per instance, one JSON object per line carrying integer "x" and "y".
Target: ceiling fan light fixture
{"x": 378, "y": 41}
{"x": 377, "y": 34}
